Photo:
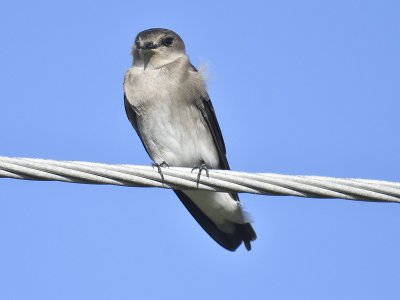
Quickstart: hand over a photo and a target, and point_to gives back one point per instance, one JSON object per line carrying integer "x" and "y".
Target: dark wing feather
{"x": 226, "y": 240}
{"x": 207, "y": 110}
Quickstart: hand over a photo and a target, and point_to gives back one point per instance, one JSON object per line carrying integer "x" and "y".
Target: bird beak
{"x": 147, "y": 55}
{"x": 147, "y": 51}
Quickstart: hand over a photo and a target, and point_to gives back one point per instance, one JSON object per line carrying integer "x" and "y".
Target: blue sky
{"x": 299, "y": 87}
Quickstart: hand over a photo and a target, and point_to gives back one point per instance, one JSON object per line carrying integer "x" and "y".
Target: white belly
{"x": 174, "y": 132}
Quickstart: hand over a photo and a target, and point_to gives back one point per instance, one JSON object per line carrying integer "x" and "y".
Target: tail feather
{"x": 230, "y": 241}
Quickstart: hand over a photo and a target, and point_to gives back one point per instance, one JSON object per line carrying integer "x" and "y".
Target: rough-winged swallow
{"x": 167, "y": 103}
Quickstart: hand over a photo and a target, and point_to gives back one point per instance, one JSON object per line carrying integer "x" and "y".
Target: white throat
{"x": 156, "y": 60}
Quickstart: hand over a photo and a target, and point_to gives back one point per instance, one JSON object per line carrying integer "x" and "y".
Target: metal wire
{"x": 184, "y": 178}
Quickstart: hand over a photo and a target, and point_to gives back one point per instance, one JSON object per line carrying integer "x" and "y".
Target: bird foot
{"x": 159, "y": 166}
{"x": 201, "y": 167}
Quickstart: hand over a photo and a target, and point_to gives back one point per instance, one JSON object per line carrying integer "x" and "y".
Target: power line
{"x": 184, "y": 178}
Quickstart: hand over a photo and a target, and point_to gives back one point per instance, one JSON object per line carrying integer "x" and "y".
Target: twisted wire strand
{"x": 184, "y": 178}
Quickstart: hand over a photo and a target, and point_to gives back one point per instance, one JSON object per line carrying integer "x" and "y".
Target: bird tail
{"x": 230, "y": 241}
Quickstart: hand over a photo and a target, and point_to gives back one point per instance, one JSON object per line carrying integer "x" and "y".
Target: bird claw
{"x": 201, "y": 167}
{"x": 159, "y": 166}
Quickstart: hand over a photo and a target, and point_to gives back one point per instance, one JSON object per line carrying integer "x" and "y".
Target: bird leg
{"x": 202, "y": 166}
{"x": 159, "y": 166}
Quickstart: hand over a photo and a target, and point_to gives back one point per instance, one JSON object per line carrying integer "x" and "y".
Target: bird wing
{"x": 206, "y": 108}
{"x": 242, "y": 232}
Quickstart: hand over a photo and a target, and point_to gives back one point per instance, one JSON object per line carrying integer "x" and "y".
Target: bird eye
{"x": 168, "y": 41}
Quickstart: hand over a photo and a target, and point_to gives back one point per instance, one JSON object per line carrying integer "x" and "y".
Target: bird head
{"x": 156, "y": 48}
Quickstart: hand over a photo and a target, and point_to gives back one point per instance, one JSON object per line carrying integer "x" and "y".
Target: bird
{"x": 167, "y": 103}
